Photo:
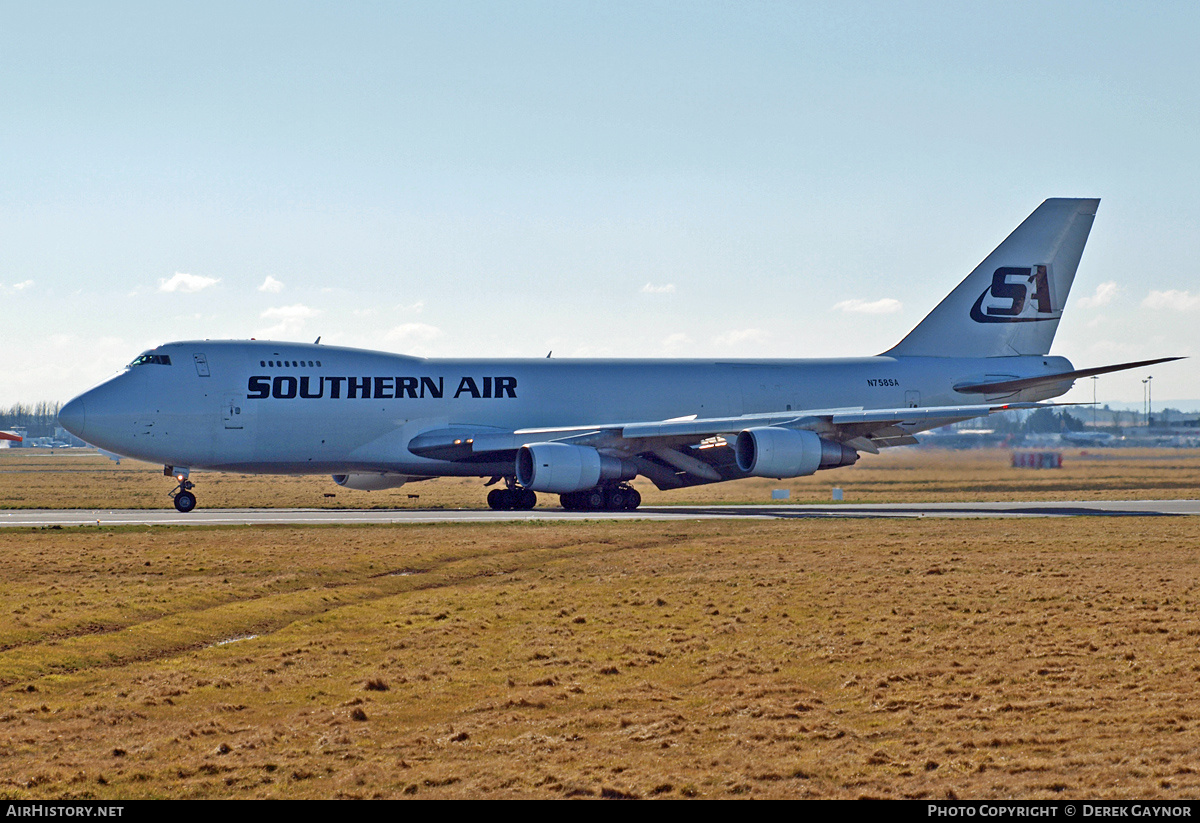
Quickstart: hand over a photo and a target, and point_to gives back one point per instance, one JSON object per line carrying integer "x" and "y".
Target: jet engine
{"x": 371, "y": 482}
{"x": 561, "y": 468}
{"x": 772, "y": 451}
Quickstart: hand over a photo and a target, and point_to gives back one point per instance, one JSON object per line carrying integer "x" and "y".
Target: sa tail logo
{"x": 1016, "y": 295}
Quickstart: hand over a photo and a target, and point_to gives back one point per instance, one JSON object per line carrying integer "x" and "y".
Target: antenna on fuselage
{"x": 549, "y": 353}
{"x": 317, "y": 342}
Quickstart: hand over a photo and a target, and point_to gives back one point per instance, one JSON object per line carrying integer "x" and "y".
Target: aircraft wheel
{"x": 593, "y": 499}
{"x": 499, "y": 500}
{"x": 185, "y": 501}
{"x": 525, "y": 499}
{"x": 570, "y": 501}
{"x": 615, "y": 499}
{"x": 633, "y": 499}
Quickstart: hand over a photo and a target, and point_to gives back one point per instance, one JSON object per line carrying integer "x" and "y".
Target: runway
{"x": 43, "y": 518}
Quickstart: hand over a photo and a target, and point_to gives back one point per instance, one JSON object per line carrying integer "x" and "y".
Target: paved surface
{"x": 32, "y": 518}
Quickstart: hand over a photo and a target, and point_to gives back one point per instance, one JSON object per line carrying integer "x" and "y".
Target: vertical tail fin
{"x": 1011, "y": 303}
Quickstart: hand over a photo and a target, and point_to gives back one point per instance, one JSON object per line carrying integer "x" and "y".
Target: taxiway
{"x": 41, "y": 518}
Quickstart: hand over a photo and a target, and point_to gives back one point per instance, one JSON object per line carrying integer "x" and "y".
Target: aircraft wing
{"x": 10, "y": 436}
{"x": 693, "y": 450}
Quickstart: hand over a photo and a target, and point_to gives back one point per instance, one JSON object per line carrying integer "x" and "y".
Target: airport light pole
{"x": 1150, "y": 401}
{"x": 1095, "y": 377}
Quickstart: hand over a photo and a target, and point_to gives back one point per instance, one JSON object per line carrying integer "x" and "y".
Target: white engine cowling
{"x": 560, "y": 468}
{"x": 370, "y": 482}
{"x": 772, "y": 451}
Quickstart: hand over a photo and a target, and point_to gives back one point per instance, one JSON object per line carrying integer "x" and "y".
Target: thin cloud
{"x": 16, "y": 288}
{"x": 413, "y": 333}
{"x": 739, "y": 337}
{"x": 666, "y": 288}
{"x": 186, "y": 283}
{"x": 1105, "y": 292}
{"x": 885, "y": 305}
{"x": 1173, "y": 299}
{"x": 295, "y": 311}
{"x": 291, "y": 319}
{"x": 676, "y": 341}
{"x": 271, "y": 285}
{"x": 413, "y": 338}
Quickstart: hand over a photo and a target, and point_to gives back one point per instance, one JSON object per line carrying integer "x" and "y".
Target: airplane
{"x": 1089, "y": 438}
{"x": 582, "y": 429}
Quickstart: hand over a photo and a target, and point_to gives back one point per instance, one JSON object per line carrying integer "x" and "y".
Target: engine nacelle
{"x": 560, "y": 468}
{"x": 772, "y": 451}
{"x": 370, "y": 482}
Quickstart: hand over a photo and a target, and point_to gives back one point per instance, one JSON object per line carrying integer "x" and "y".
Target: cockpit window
{"x": 157, "y": 359}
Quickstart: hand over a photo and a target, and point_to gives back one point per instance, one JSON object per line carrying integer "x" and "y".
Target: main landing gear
{"x": 185, "y": 501}
{"x": 618, "y": 497}
{"x": 512, "y": 498}
{"x": 602, "y": 498}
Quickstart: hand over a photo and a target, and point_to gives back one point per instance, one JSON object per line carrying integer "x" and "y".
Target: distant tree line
{"x": 38, "y": 420}
{"x": 1040, "y": 421}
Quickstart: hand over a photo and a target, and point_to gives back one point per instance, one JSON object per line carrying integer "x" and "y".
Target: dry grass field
{"x": 803, "y": 658}
{"x": 70, "y": 478}
{"x": 807, "y": 658}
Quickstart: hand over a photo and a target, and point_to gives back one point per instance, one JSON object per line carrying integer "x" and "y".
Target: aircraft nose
{"x": 73, "y": 417}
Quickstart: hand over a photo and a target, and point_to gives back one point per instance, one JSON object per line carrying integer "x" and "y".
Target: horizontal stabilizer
{"x": 1005, "y": 386}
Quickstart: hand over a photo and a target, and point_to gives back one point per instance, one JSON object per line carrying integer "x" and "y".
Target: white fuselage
{"x": 307, "y": 409}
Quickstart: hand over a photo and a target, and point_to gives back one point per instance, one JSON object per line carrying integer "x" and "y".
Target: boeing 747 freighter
{"x": 582, "y": 429}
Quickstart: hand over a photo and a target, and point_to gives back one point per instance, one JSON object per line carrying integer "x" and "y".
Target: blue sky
{"x": 600, "y": 179}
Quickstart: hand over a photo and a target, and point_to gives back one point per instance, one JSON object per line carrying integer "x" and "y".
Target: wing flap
{"x": 823, "y": 421}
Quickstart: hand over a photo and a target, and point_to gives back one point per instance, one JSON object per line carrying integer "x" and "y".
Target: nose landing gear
{"x": 185, "y": 501}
